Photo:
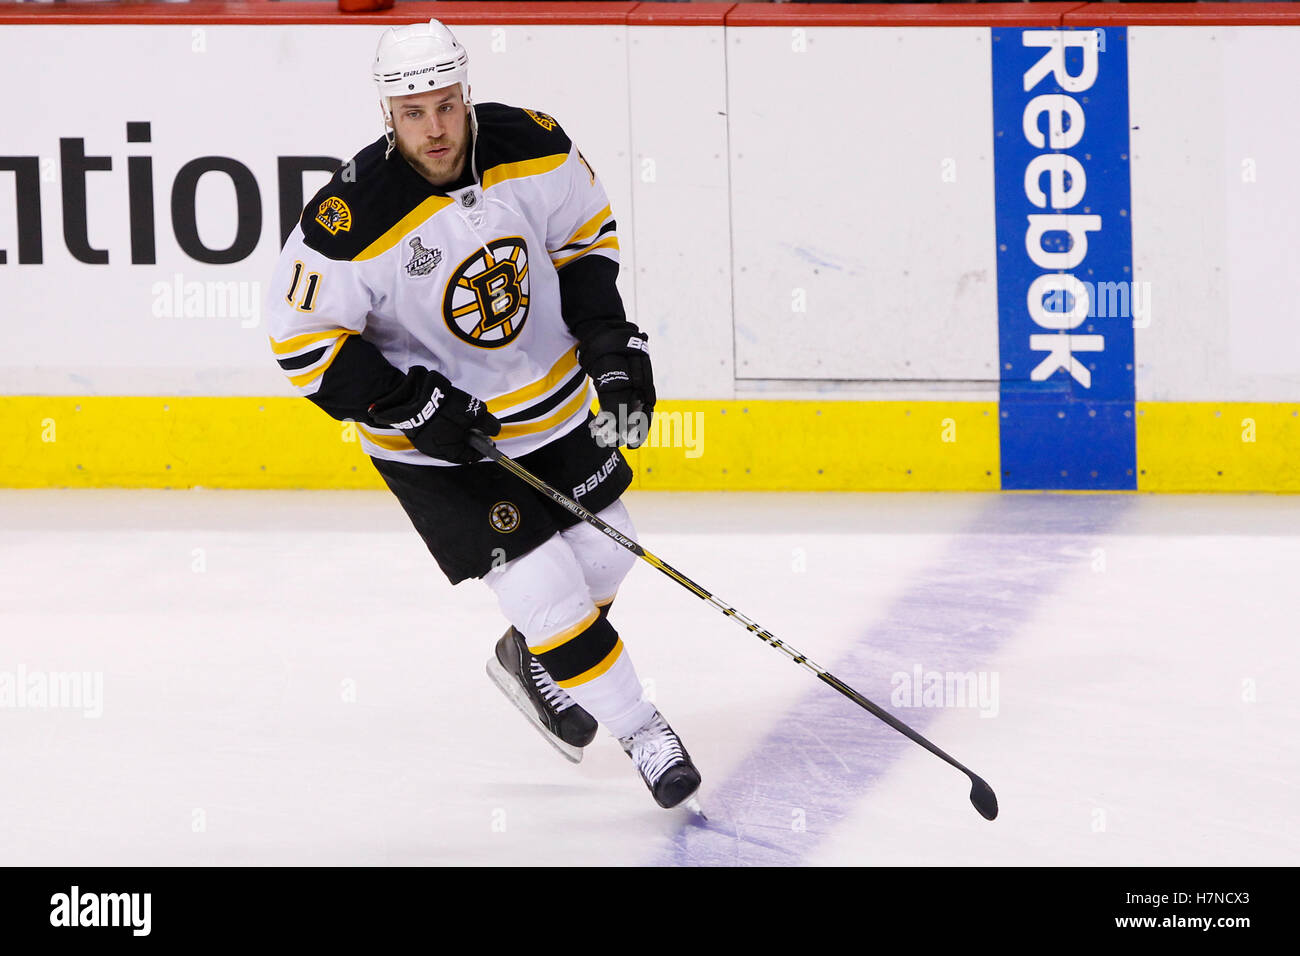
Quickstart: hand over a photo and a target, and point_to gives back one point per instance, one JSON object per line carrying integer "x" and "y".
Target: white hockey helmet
{"x": 416, "y": 59}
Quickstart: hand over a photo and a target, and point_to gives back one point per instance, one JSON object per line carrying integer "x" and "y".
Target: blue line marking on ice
{"x": 826, "y": 753}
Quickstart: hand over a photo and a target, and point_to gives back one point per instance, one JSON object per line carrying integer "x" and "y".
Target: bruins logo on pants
{"x": 504, "y": 517}
{"x": 486, "y": 303}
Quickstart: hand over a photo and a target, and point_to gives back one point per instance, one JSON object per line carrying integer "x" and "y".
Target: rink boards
{"x": 842, "y": 233}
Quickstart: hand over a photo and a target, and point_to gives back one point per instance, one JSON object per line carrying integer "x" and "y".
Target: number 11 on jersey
{"x": 309, "y": 293}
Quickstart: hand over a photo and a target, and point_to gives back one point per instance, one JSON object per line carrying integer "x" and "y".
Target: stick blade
{"x": 984, "y": 799}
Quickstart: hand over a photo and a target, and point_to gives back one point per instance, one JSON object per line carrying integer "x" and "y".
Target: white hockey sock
{"x": 615, "y": 698}
{"x": 545, "y": 596}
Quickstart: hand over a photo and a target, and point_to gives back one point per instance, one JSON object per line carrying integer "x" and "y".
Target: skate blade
{"x": 692, "y": 803}
{"x": 516, "y": 695}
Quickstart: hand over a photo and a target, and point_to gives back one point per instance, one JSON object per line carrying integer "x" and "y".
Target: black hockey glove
{"x": 619, "y": 365}
{"x": 435, "y": 415}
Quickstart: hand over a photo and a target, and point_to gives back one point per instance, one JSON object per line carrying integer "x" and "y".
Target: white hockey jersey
{"x": 493, "y": 284}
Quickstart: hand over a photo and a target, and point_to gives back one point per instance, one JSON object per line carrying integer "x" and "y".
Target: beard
{"x": 440, "y": 171}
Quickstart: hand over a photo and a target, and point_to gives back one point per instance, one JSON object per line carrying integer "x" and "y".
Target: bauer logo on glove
{"x": 435, "y": 415}
{"x": 425, "y": 413}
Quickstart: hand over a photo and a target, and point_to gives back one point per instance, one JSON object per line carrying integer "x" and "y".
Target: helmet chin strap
{"x": 390, "y": 136}
{"x": 473, "y": 141}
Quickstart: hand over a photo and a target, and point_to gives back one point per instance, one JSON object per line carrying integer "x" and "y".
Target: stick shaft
{"x": 482, "y": 443}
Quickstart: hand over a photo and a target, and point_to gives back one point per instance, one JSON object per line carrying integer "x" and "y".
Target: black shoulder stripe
{"x": 371, "y": 193}
{"x": 509, "y": 134}
{"x": 361, "y": 202}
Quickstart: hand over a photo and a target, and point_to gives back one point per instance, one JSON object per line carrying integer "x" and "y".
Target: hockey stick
{"x": 981, "y": 794}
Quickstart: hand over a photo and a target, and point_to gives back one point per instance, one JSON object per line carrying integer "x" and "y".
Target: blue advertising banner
{"x": 1066, "y": 296}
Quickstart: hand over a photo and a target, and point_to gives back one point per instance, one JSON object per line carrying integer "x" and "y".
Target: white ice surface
{"x": 287, "y": 679}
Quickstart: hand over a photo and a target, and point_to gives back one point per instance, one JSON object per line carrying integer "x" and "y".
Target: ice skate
{"x": 565, "y": 726}
{"x": 663, "y": 762}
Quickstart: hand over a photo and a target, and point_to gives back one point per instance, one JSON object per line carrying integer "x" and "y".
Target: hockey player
{"x": 456, "y": 274}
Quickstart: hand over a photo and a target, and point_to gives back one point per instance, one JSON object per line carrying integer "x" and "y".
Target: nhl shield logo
{"x": 422, "y": 260}
{"x": 504, "y": 517}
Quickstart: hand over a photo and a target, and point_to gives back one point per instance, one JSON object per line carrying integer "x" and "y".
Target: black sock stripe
{"x": 581, "y": 653}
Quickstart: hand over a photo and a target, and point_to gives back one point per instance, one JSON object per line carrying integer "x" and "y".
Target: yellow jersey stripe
{"x": 532, "y": 428}
{"x": 306, "y": 378}
{"x": 388, "y": 442}
{"x": 589, "y": 675}
{"x": 609, "y": 242}
{"x": 404, "y": 225}
{"x": 566, "y": 635}
{"x": 528, "y": 167}
{"x": 559, "y": 371}
{"x": 402, "y": 443}
{"x": 588, "y": 227}
{"x": 302, "y": 341}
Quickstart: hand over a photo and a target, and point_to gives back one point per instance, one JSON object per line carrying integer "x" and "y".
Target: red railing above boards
{"x": 699, "y": 14}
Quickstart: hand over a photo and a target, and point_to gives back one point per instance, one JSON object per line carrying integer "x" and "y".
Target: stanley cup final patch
{"x": 334, "y": 216}
{"x": 422, "y": 261}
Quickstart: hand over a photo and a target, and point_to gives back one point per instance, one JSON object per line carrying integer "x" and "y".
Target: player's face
{"x": 432, "y": 131}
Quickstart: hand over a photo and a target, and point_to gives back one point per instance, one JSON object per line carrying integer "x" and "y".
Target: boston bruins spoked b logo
{"x": 487, "y": 297}
{"x": 504, "y": 516}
